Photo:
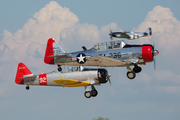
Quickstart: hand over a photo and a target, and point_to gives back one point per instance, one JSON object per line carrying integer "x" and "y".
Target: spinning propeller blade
{"x": 155, "y": 52}
{"x": 111, "y": 34}
{"x": 108, "y": 77}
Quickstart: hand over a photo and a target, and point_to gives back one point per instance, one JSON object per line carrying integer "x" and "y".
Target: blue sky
{"x": 26, "y": 26}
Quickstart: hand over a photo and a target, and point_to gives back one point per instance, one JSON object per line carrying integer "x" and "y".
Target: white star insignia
{"x": 81, "y": 58}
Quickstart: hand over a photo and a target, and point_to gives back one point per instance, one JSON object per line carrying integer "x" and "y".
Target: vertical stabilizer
{"x": 52, "y": 49}
{"x": 21, "y": 71}
{"x": 149, "y": 32}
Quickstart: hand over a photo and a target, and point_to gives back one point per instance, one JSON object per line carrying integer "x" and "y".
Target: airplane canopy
{"x": 109, "y": 45}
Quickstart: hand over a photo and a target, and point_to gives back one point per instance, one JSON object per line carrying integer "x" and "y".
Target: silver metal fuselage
{"x": 122, "y": 57}
{"x": 89, "y": 76}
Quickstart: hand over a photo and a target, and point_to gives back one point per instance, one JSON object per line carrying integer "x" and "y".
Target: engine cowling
{"x": 147, "y": 53}
{"x": 102, "y": 75}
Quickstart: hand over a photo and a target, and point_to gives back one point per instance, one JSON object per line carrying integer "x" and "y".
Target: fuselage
{"x": 126, "y": 56}
{"x": 48, "y": 78}
{"x": 107, "y": 54}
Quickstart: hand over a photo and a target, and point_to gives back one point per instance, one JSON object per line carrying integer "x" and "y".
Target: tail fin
{"x": 149, "y": 32}
{"x": 21, "y": 71}
{"x": 52, "y": 49}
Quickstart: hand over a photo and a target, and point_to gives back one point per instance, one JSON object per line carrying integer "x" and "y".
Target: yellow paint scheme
{"x": 71, "y": 83}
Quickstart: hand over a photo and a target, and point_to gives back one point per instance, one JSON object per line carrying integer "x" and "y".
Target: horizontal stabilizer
{"x": 60, "y": 56}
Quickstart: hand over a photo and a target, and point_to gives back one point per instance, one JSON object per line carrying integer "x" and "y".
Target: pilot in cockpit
{"x": 117, "y": 45}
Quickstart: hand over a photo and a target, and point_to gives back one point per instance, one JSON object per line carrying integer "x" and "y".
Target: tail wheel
{"x": 27, "y": 87}
{"x": 59, "y": 69}
{"x": 94, "y": 93}
{"x": 131, "y": 75}
{"x": 87, "y": 94}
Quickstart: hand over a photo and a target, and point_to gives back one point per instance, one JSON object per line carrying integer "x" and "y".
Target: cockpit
{"x": 109, "y": 45}
{"x": 128, "y": 31}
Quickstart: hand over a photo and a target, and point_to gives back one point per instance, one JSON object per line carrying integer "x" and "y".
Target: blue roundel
{"x": 81, "y": 58}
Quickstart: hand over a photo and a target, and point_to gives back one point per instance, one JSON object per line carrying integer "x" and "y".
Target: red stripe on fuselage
{"x": 42, "y": 79}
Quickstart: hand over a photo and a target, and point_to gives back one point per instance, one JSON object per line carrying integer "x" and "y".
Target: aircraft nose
{"x": 156, "y": 52}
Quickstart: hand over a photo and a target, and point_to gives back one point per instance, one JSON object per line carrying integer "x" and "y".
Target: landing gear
{"x": 87, "y": 94}
{"x": 131, "y": 74}
{"x": 59, "y": 68}
{"x": 92, "y": 93}
{"x": 27, "y": 87}
{"x": 137, "y": 69}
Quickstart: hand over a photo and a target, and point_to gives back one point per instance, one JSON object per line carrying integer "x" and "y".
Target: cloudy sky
{"x": 25, "y": 27}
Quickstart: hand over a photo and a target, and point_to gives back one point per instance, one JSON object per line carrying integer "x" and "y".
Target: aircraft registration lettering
{"x": 115, "y": 55}
{"x": 42, "y": 79}
{"x": 56, "y": 51}
{"x": 28, "y": 80}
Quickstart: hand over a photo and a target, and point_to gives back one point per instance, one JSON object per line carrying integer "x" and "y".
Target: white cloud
{"x": 48, "y": 22}
{"x": 28, "y": 44}
{"x": 85, "y": 34}
{"x": 165, "y": 29}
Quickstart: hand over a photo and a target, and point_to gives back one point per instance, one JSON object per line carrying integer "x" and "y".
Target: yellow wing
{"x": 71, "y": 83}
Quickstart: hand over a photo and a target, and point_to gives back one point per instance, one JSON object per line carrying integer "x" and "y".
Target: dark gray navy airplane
{"x": 130, "y": 34}
{"x": 107, "y": 54}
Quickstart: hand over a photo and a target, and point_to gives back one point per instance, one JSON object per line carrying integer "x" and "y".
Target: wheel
{"x": 59, "y": 69}
{"x": 27, "y": 87}
{"x": 137, "y": 69}
{"x": 87, "y": 94}
{"x": 94, "y": 93}
{"x": 131, "y": 75}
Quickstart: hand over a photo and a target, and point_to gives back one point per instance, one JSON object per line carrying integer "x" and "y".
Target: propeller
{"x": 155, "y": 52}
{"x": 108, "y": 77}
{"x": 111, "y": 34}
{"x": 154, "y": 62}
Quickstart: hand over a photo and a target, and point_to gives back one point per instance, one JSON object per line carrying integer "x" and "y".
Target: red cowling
{"x": 49, "y": 52}
{"x": 147, "y": 54}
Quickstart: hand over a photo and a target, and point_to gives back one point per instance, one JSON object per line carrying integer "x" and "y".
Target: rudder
{"x": 149, "y": 32}
{"x": 21, "y": 71}
{"x": 52, "y": 49}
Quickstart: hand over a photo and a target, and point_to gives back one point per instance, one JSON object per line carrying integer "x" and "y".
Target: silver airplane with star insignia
{"x": 107, "y": 54}
{"x": 130, "y": 34}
